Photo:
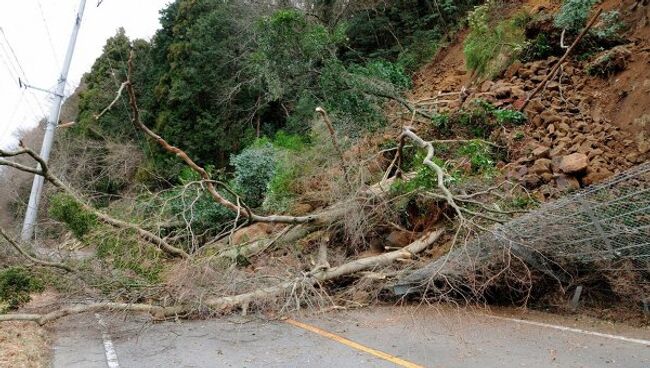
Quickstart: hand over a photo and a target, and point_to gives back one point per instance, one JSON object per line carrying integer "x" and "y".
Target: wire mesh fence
{"x": 601, "y": 225}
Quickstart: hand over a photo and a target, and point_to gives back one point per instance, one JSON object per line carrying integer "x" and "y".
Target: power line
{"x": 49, "y": 34}
{"x": 15, "y": 68}
{"x": 13, "y": 53}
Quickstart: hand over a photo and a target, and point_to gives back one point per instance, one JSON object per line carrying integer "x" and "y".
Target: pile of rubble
{"x": 567, "y": 144}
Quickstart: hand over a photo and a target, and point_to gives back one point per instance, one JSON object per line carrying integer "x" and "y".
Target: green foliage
{"x": 354, "y": 95}
{"x": 480, "y": 156}
{"x": 407, "y": 31}
{"x": 479, "y": 119}
{"x": 537, "y": 49}
{"x": 197, "y": 208}
{"x": 16, "y": 284}
{"x": 254, "y": 169}
{"x": 610, "y": 25}
{"x": 65, "y": 209}
{"x": 524, "y": 202}
{"x": 573, "y": 14}
{"x": 511, "y": 117}
{"x": 491, "y": 44}
{"x": 292, "y": 142}
{"x": 122, "y": 251}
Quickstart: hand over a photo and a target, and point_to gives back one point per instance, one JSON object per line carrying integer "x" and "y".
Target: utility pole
{"x": 52, "y": 122}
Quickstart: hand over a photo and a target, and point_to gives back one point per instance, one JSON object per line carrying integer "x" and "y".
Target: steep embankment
{"x": 582, "y": 128}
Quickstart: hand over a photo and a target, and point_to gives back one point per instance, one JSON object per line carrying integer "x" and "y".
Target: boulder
{"x": 253, "y": 232}
{"x": 566, "y": 182}
{"x": 503, "y": 92}
{"x": 574, "y": 163}
{"x": 541, "y": 152}
{"x": 596, "y": 175}
{"x": 541, "y": 166}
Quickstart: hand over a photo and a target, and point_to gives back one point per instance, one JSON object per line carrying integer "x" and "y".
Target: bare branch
{"x": 32, "y": 259}
{"x": 44, "y": 171}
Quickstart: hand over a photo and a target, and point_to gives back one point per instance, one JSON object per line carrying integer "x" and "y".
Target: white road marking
{"x": 109, "y": 349}
{"x": 571, "y": 329}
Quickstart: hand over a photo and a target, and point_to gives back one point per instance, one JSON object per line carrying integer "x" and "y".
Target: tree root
{"x": 227, "y": 303}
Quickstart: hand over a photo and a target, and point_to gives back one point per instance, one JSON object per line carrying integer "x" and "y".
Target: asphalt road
{"x": 382, "y": 337}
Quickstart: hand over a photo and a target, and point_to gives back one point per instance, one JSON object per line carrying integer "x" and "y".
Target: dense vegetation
{"x": 221, "y": 75}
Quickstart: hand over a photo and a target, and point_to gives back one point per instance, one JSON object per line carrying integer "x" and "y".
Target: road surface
{"x": 381, "y": 337}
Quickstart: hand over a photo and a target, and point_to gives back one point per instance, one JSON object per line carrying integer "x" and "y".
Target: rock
{"x": 550, "y": 128}
{"x": 558, "y": 150}
{"x": 486, "y": 86}
{"x": 541, "y": 166}
{"x": 546, "y": 177}
{"x": 518, "y": 93}
{"x": 531, "y": 181}
{"x": 643, "y": 146}
{"x": 253, "y": 232}
{"x": 513, "y": 69}
{"x": 574, "y": 163}
{"x": 503, "y": 92}
{"x": 541, "y": 152}
{"x": 596, "y": 175}
{"x": 536, "y": 106}
{"x": 550, "y": 117}
{"x": 564, "y": 127}
{"x": 595, "y": 153}
{"x": 566, "y": 182}
{"x": 517, "y": 172}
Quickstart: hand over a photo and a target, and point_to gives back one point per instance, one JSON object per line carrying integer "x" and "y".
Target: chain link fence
{"x": 598, "y": 228}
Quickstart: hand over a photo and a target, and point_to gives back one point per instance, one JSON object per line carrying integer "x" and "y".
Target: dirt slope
{"x": 598, "y": 125}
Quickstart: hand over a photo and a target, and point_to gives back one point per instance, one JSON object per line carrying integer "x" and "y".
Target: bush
{"x": 574, "y": 14}
{"x": 65, "y": 209}
{"x": 15, "y": 286}
{"x": 479, "y": 155}
{"x": 254, "y": 169}
{"x": 506, "y": 116}
{"x": 492, "y": 45}
{"x": 610, "y": 25}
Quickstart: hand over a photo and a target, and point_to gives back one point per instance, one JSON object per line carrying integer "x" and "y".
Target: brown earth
{"x": 600, "y": 120}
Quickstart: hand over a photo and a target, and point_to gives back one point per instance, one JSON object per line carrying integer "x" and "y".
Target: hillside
{"x": 310, "y": 156}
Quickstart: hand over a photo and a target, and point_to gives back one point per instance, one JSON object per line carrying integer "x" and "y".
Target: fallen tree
{"x": 245, "y": 300}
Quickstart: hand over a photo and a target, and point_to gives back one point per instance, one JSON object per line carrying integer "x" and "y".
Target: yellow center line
{"x": 342, "y": 340}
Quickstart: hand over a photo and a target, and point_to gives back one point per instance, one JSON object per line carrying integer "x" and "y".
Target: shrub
{"x": 254, "y": 169}
{"x": 573, "y": 14}
{"x": 196, "y": 207}
{"x": 491, "y": 45}
{"x": 65, "y": 209}
{"x": 506, "y": 116}
{"x": 537, "y": 49}
{"x": 15, "y": 286}
{"x": 610, "y": 25}
{"x": 479, "y": 155}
